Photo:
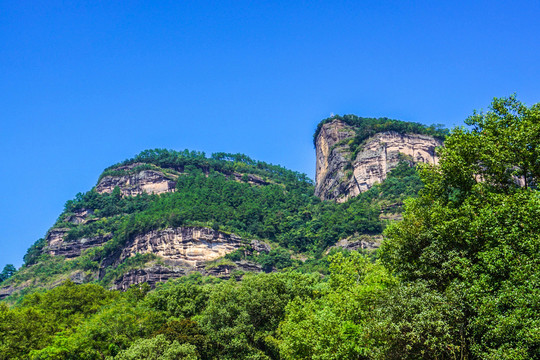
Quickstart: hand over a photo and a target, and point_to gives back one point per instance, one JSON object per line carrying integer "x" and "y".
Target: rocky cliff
{"x": 179, "y": 251}
{"x": 339, "y": 176}
{"x": 134, "y": 180}
{"x": 57, "y": 246}
{"x": 131, "y": 184}
{"x": 190, "y": 246}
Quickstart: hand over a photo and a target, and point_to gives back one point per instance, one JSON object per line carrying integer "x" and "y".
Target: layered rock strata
{"x": 339, "y": 177}
{"x": 58, "y": 246}
{"x": 159, "y": 273}
{"x": 184, "y": 245}
{"x": 149, "y": 181}
{"x": 363, "y": 242}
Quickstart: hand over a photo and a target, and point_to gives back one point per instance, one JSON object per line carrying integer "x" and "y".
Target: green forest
{"x": 458, "y": 277}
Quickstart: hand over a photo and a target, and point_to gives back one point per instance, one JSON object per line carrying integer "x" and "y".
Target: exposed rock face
{"x": 184, "y": 245}
{"x": 152, "y": 182}
{"x": 332, "y": 157}
{"x": 364, "y": 242}
{"x": 250, "y": 179}
{"x": 79, "y": 217}
{"x": 260, "y": 247}
{"x": 57, "y": 246}
{"x": 149, "y": 181}
{"x": 151, "y": 275}
{"x": 338, "y": 177}
{"x": 158, "y": 273}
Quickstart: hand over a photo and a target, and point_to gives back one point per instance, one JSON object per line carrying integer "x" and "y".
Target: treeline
{"x": 367, "y": 127}
{"x": 359, "y": 311}
{"x": 221, "y": 162}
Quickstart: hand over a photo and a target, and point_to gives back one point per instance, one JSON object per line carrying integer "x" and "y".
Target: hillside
{"x": 257, "y": 267}
{"x": 165, "y": 214}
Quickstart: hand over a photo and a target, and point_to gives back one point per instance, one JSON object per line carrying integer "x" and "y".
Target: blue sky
{"x": 87, "y": 84}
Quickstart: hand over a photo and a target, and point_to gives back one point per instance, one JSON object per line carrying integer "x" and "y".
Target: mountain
{"x": 355, "y": 153}
{"x": 456, "y": 277}
{"x": 165, "y": 214}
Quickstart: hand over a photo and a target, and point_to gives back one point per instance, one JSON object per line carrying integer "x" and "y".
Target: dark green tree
{"x": 9, "y": 271}
{"x": 474, "y": 235}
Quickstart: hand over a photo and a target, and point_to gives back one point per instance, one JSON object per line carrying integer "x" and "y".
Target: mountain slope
{"x": 164, "y": 214}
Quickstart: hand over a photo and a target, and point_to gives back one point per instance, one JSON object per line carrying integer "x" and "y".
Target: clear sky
{"x": 86, "y": 84}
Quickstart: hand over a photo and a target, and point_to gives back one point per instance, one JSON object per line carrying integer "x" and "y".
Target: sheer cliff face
{"x": 188, "y": 246}
{"x": 149, "y": 181}
{"x": 338, "y": 177}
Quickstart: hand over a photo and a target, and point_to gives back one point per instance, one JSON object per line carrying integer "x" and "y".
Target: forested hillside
{"x": 456, "y": 278}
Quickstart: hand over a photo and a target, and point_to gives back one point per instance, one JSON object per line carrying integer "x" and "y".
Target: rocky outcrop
{"x": 188, "y": 246}
{"x": 79, "y": 217}
{"x": 339, "y": 177}
{"x": 58, "y": 246}
{"x": 332, "y": 156}
{"x": 158, "y": 273}
{"x": 152, "y": 181}
{"x": 150, "y": 275}
{"x": 149, "y": 181}
{"x": 363, "y": 242}
{"x": 250, "y": 179}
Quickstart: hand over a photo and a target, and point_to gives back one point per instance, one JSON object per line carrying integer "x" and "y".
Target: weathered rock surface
{"x": 364, "y": 242}
{"x": 151, "y": 275}
{"x": 338, "y": 177}
{"x": 149, "y": 181}
{"x": 260, "y": 247}
{"x": 184, "y": 245}
{"x": 57, "y": 246}
{"x": 153, "y": 182}
{"x": 250, "y": 179}
{"x": 79, "y": 217}
{"x": 159, "y": 273}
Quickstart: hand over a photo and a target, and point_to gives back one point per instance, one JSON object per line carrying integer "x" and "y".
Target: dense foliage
{"x": 286, "y": 214}
{"x": 221, "y": 162}
{"x": 367, "y": 127}
{"x": 473, "y": 236}
{"x": 8, "y": 271}
{"x": 458, "y": 278}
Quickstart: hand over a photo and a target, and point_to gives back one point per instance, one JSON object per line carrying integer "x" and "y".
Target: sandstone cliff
{"x": 184, "y": 245}
{"x": 132, "y": 182}
{"x": 149, "y": 181}
{"x": 340, "y": 177}
{"x": 57, "y": 246}
{"x": 180, "y": 251}
{"x": 156, "y": 273}
{"x": 189, "y": 246}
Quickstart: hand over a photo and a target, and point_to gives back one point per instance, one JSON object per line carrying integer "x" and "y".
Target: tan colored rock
{"x": 58, "y": 246}
{"x": 184, "y": 245}
{"x": 148, "y": 181}
{"x": 330, "y": 156}
{"x": 55, "y": 237}
{"x": 338, "y": 177}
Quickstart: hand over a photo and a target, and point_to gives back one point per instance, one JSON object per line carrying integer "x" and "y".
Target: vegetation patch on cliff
{"x": 367, "y": 127}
